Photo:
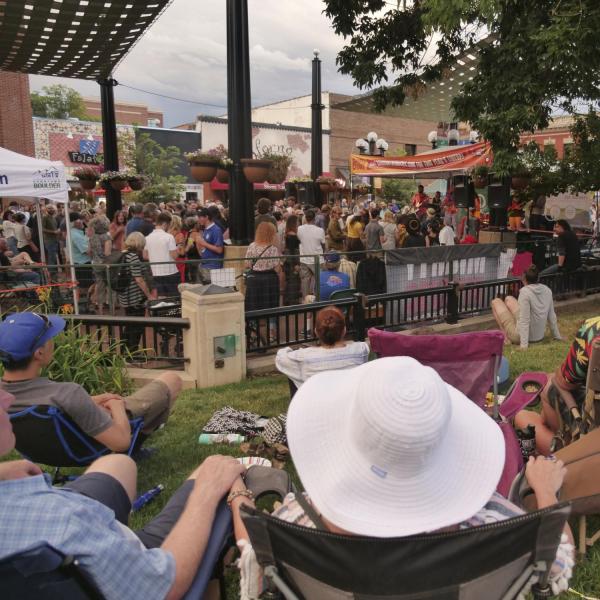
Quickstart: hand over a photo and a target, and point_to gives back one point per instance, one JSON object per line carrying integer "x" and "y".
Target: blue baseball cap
{"x": 332, "y": 257}
{"x": 21, "y": 334}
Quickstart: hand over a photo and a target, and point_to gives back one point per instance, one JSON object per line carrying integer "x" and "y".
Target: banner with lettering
{"x": 435, "y": 162}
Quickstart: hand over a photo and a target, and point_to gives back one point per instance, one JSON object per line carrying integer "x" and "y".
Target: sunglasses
{"x": 42, "y": 333}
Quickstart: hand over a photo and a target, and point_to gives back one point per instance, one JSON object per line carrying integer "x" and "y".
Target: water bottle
{"x": 231, "y": 439}
{"x": 526, "y": 439}
{"x": 146, "y": 498}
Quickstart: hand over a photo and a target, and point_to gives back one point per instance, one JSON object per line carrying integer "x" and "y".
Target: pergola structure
{"x": 83, "y": 39}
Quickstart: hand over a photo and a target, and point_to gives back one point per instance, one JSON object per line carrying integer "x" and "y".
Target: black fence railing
{"x": 160, "y": 339}
{"x": 270, "y": 329}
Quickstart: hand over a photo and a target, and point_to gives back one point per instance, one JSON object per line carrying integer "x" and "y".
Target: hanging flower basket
{"x": 222, "y": 175}
{"x": 204, "y": 170}
{"x": 280, "y": 163}
{"x": 88, "y": 184}
{"x": 117, "y": 180}
{"x": 256, "y": 169}
{"x": 519, "y": 182}
{"x": 327, "y": 184}
{"x": 118, "y": 184}
{"x": 480, "y": 182}
{"x": 88, "y": 177}
{"x": 136, "y": 183}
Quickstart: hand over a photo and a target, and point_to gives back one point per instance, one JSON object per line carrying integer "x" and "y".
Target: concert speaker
{"x": 306, "y": 193}
{"x": 463, "y": 191}
{"x": 498, "y": 191}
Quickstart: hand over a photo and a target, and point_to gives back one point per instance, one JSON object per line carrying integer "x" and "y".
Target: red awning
{"x": 217, "y": 186}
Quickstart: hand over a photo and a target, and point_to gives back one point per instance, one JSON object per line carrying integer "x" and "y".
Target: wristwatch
{"x": 237, "y": 493}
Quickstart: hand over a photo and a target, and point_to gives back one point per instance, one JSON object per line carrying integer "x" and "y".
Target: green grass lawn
{"x": 179, "y": 451}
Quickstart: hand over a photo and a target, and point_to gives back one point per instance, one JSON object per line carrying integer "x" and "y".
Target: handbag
{"x": 250, "y": 273}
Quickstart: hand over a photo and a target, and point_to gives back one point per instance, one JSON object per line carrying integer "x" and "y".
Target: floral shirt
{"x": 575, "y": 367}
{"x": 269, "y": 258}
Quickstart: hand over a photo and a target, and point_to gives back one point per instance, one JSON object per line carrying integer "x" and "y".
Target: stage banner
{"x": 454, "y": 158}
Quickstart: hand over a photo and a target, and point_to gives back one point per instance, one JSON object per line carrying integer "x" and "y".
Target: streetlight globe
{"x": 474, "y": 135}
{"x": 432, "y": 136}
{"x": 381, "y": 144}
{"x": 316, "y": 52}
{"x": 372, "y": 136}
{"x": 359, "y": 143}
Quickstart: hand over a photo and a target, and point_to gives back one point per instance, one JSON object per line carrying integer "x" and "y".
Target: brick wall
{"x": 16, "y": 128}
{"x": 347, "y": 126}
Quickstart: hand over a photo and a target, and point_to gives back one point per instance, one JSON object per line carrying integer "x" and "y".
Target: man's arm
{"x": 188, "y": 538}
{"x": 118, "y": 436}
{"x": 212, "y": 247}
{"x": 553, "y": 321}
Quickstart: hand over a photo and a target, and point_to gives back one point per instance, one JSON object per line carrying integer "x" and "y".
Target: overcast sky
{"x": 185, "y": 53}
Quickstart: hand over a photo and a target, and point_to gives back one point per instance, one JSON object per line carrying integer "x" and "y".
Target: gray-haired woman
{"x": 100, "y": 249}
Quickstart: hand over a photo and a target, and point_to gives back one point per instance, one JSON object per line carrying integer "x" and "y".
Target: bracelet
{"x": 233, "y": 495}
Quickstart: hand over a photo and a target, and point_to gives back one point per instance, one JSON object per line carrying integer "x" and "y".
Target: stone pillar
{"x": 215, "y": 343}
{"x": 16, "y": 125}
{"x": 238, "y": 253}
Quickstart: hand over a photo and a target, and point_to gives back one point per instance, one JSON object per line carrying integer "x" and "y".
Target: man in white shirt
{"x": 161, "y": 248}
{"x": 447, "y": 234}
{"x": 312, "y": 242}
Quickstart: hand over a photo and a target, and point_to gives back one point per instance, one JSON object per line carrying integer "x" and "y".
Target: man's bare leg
{"x": 120, "y": 467}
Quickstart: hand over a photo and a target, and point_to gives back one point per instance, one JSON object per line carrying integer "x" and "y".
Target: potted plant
{"x": 203, "y": 165}
{"x": 225, "y": 163}
{"x": 256, "y": 169}
{"x": 136, "y": 181}
{"x": 480, "y": 176}
{"x": 116, "y": 179}
{"x": 279, "y": 167}
{"x": 362, "y": 188}
{"x": 88, "y": 177}
{"x": 520, "y": 178}
{"x": 327, "y": 184}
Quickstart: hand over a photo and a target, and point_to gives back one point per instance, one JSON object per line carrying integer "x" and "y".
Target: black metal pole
{"x": 241, "y": 198}
{"x": 109, "y": 140}
{"x": 316, "y": 146}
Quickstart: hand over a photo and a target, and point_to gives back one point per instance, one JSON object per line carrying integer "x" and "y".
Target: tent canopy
{"x": 430, "y": 165}
{"x": 23, "y": 176}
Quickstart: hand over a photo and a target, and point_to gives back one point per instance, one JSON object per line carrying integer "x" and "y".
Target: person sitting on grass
{"x": 333, "y": 353}
{"x": 388, "y": 449}
{"x": 523, "y": 321}
{"x": 565, "y": 393}
{"x": 27, "y": 347}
{"x": 87, "y": 519}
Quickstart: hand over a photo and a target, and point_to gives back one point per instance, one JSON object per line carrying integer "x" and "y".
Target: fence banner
{"x": 421, "y": 268}
{"x": 454, "y": 158}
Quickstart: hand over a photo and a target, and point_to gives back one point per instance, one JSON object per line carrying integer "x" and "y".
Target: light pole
{"x": 316, "y": 146}
{"x": 372, "y": 145}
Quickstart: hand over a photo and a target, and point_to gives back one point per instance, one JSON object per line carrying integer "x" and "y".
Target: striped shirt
{"x": 133, "y": 294}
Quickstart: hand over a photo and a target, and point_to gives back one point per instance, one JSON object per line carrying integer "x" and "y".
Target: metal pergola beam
{"x": 83, "y": 39}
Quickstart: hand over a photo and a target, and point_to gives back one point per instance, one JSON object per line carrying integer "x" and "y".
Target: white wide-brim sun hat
{"x": 388, "y": 449}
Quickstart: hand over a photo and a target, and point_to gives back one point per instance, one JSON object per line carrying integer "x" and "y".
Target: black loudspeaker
{"x": 498, "y": 191}
{"x": 306, "y": 193}
{"x": 463, "y": 195}
{"x": 498, "y": 217}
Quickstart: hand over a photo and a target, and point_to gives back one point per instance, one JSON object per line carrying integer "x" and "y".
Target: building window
{"x": 410, "y": 149}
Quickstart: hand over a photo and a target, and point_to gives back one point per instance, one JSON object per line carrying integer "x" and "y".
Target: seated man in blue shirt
{"x": 87, "y": 519}
{"x": 210, "y": 245}
{"x": 332, "y": 279}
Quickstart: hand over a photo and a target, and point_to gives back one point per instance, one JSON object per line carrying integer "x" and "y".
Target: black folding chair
{"x": 493, "y": 561}
{"x": 44, "y": 434}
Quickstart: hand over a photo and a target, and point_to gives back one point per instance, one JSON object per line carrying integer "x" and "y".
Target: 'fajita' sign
{"x": 85, "y": 158}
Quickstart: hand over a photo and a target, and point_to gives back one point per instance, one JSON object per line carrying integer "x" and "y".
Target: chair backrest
{"x": 43, "y": 573}
{"x": 465, "y": 360}
{"x": 492, "y": 561}
{"x": 47, "y": 435}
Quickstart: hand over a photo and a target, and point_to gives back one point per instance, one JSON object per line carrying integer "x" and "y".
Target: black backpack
{"x": 118, "y": 275}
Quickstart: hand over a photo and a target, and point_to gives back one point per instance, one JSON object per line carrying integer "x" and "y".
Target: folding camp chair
{"x": 493, "y": 561}
{"x": 46, "y": 435}
{"x": 467, "y": 361}
{"x": 43, "y": 573}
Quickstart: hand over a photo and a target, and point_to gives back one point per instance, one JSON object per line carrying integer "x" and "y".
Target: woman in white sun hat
{"x": 388, "y": 449}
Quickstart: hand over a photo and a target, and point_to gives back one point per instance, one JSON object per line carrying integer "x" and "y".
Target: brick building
{"x": 347, "y": 125}
{"x": 16, "y": 129}
{"x": 557, "y": 134}
{"x": 127, "y": 113}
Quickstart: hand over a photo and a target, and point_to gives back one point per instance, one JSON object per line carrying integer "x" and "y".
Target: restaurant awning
{"x": 439, "y": 163}
{"x": 84, "y": 39}
{"x": 217, "y": 186}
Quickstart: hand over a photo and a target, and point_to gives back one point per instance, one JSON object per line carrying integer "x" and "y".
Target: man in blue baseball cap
{"x": 331, "y": 279}
{"x": 27, "y": 346}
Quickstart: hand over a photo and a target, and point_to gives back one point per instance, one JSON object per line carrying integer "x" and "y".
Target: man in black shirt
{"x": 567, "y": 244}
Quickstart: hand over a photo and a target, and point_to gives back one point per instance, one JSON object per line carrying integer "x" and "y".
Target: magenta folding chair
{"x": 467, "y": 361}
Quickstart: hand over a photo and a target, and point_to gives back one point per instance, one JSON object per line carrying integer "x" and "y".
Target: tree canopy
{"x": 538, "y": 57}
{"x": 59, "y": 102}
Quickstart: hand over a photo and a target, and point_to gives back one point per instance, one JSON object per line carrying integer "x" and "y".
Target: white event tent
{"x": 25, "y": 177}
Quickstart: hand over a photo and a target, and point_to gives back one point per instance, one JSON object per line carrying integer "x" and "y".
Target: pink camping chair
{"x": 467, "y": 361}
